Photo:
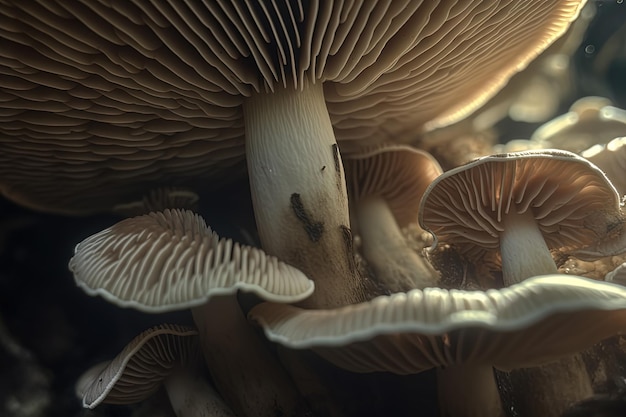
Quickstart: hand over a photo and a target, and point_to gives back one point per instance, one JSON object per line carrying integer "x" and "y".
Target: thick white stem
{"x": 245, "y": 372}
{"x": 468, "y": 391}
{"x": 191, "y": 396}
{"x": 397, "y": 267}
{"x": 299, "y": 192}
{"x": 523, "y": 248}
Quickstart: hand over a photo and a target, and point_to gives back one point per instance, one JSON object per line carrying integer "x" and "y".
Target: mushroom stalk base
{"x": 469, "y": 391}
{"x": 244, "y": 370}
{"x": 551, "y": 389}
{"x": 397, "y": 267}
{"x": 299, "y": 191}
{"x": 523, "y": 248}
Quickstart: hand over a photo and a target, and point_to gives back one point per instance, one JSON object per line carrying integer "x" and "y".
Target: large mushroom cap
{"x": 100, "y": 100}
{"x": 172, "y": 260}
{"x": 535, "y": 321}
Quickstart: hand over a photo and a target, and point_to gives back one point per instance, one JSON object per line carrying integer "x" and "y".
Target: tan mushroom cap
{"x": 571, "y": 200}
{"x": 140, "y": 368}
{"x": 397, "y": 174}
{"x": 172, "y": 260}
{"x": 535, "y": 321}
{"x": 108, "y": 99}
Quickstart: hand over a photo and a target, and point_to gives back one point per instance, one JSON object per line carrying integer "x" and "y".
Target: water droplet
{"x": 620, "y": 1}
{"x": 590, "y": 49}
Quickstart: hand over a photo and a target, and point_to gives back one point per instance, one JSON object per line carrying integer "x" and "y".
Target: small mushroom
{"x": 171, "y": 260}
{"x": 385, "y": 186}
{"x": 166, "y": 355}
{"x": 513, "y": 208}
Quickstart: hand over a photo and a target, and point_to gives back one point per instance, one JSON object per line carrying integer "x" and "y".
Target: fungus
{"x": 166, "y": 355}
{"x": 514, "y": 208}
{"x": 519, "y": 205}
{"x": 171, "y": 260}
{"x": 610, "y": 158}
{"x": 467, "y": 332}
{"x": 385, "y": 186}
{"x": 137, "y": 93}
{"x": 590, "y": 121}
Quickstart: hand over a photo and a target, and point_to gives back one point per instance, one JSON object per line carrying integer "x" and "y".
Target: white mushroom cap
{"x": 107, "y": 99}
{"x": 610, "y": 158}
{"x": 591, "y": 120}
{"x": 165, "y": 355}
{"x": 172, "y": 260}
{"x": 141, "y": 367}
{"x": 535, "y": 321}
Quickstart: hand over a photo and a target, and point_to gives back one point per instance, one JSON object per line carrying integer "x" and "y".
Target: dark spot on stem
{"x": 313, "y": 229}
{"x": 337, "y": 161}
{"x": 348, "y": 244}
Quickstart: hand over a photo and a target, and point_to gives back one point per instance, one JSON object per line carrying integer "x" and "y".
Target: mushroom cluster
{"x": 324, "y": 106}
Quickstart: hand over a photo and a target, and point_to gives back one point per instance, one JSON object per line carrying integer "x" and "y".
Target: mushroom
{"x": 138, "y": 93}
{"x": 610, "y": 158}
{"x": 164, "y": 355}
{"x": 466, "y": 332}
{"x": 513, "y": 208}
{"x": 385, "y": 186}
{"x": 171, "y": 260}
{"x": 590, "y": 120}
{"x": 518, "y": 206}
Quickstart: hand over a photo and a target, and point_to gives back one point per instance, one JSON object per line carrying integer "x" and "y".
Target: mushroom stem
{"x": 299, "y": 191}
{"x": 245, "y": 372}
{"x": 551, "y": 389}
{"x": 396, "y": 266}
{"x": 557, "y": 384}
{"x": 523, "y": 248}
{"x": 190, "y": 395}
{"x": 469, "y": 391}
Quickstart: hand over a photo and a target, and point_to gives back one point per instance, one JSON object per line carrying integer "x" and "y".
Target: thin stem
{"x": 299, "y": 192}
{"x": 523, "y": 248}
{"x": 396, "y": 266}
{"x": 244, "y": 370}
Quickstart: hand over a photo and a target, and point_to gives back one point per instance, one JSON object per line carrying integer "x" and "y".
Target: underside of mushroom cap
{"x": 140, "y": 368}
{"x": 572, "y": 201}
{"x": 397, "y": 174}
{"x": 107, "y": 99}
{"x": 172, "y": 260}
{"x": 526, "y": 324}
